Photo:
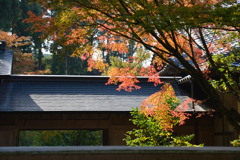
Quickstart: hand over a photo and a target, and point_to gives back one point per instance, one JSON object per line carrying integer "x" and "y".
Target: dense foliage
{"x": 13, "y": 12}
{"x": 60, "y": 138}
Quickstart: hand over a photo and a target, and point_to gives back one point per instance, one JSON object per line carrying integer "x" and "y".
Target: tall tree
{"x": 37, "y": 45}
{"x": 170, "y": 29}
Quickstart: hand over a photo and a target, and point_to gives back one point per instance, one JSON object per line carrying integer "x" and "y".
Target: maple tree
{"x": 169, "y": 29}
{"x": 156, "y": 118}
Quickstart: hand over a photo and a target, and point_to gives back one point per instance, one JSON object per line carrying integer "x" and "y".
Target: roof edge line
{"x": 83, "y": 76}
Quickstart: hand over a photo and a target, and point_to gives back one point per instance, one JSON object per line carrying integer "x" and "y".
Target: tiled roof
{"x": 6, "y": 57}
{"x": 210, "y": 39}
{"x": 69, "y": 96}
{"x": 48, "y": 95}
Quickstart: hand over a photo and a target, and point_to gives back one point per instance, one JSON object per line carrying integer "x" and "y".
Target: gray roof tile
{"x": 69, "y": 96}
{"x": 73, "y": 96}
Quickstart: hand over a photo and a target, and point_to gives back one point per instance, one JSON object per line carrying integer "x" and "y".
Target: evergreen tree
{"x": 6, "y": 15}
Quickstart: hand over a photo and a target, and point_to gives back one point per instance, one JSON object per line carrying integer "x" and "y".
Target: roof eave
{"x": 79, "y": 78}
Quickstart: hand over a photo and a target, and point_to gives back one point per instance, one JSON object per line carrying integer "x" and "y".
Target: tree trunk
{"x": 231, "y": 114}
{"x": 66, "y": 65}
{"x": 40, "y": 57}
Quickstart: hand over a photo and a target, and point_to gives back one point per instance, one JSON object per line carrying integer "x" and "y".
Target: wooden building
{"x": 51, "y": 102}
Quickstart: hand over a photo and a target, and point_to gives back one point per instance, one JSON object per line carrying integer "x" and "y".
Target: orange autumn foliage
{"x": 77, "y": 23}
{"x": 22, "y": 62}
{"x": 158, "y": 106}
{"x": 13, "y": 41}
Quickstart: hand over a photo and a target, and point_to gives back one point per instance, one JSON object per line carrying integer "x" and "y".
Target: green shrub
{"x": 151, "y": 133}
{"x": 236, "y": 142}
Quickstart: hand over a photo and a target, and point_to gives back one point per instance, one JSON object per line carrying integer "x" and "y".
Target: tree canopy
{"x": 196, "y": 33}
